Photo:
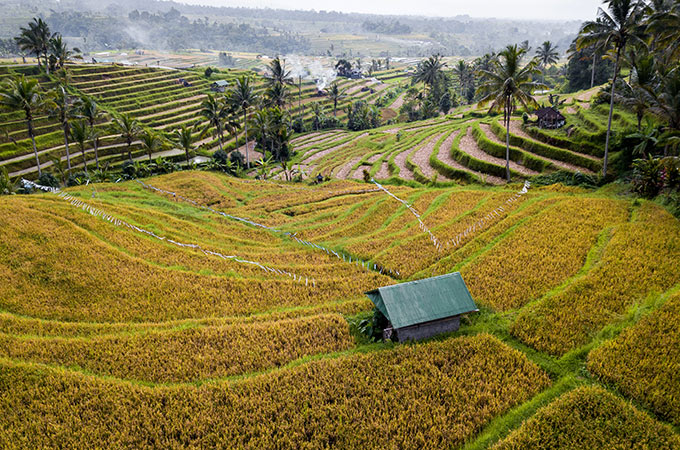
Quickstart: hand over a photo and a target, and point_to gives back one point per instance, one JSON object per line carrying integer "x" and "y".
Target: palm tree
{"x": 185, "y": 139}
{"x": 430, "y": 70}
{"x": 300, "y": 98}
{"x": 505, "y": 85}
{"x": 215, "y": 111}
{"x": 20, "y": 94}
{"x": 319, "y": 113}
{"x": 261, "y": 127}
{"x": 60, "y": 51}
{"x": 277, "y": 95}
{"x": 665, "y": 104}
{"x": 463, "y": 72}
{"x": 335, "y": 94}
{"x": 547, "y": 56}
{"x": 80, "y": 133}
{"x": 616, "y": 29}
{"x": 35, "y": 39}
{"x": 90, "y": 111}
{"x": 648, "y": 139}
{"x": 151, "y": 142}
{"x": 242, "y": 96}
{"x": 636, "y": 96}
{"x": 277, "y": 73}
{"x": 664, "y": 26}
{"x": 129, "y": 130}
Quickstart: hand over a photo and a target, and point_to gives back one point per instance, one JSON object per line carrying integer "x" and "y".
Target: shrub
{"x": 78, "y": 178}
{"x": 237, "y": 158}
{"x": 47, "y": 179}
{"x": 6, "y": 185}
{"x": 648, "y": 179}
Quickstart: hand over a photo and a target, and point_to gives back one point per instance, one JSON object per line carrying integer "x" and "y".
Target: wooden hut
{"x": 423, "y": 308}
{"x": 550, "y": 117}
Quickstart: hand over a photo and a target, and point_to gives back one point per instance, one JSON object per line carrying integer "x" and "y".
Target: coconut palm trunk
{"x": 592, "y": 72}
{"x": 95, "y": 144}
{"x": 300, "y": 98}
{"x": 245, "y": 124}
{"x": 31, "y": 133}
{"x": 507, "y": 139}
{"x": 219, "y": 138}
{"x": 611, "y": 113}
{"x": 82, "y": 148}
{"x": 129, "y": 144}
{"x": 68, "y": 153}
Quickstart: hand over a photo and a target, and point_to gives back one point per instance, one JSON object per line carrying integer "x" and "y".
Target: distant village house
{"x": 549, "y": 117}
{"x": 219, "y": 86}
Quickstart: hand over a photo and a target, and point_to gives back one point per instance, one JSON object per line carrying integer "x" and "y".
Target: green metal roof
{"x": 222, "y": 83}
{"x": 423, "y": 300}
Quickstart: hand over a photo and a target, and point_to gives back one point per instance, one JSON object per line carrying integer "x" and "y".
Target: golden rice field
{"x": 130, "y": 318}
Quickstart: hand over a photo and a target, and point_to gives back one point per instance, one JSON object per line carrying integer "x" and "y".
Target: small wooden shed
{"x": 424, "y": 308}
{"x": 550, "y": 117}
{"x": 219, "y": 86}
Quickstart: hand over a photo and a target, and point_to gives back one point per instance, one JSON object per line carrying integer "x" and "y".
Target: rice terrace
{"x": 254, "y": 228}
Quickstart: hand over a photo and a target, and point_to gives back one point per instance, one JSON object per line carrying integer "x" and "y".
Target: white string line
{"x": 436, "y": 242}
{"x": 121, "y": 223}
{"x": 468, "y": 231}
{"x": 456, "y": 241}
{"x": 346, "y": 258}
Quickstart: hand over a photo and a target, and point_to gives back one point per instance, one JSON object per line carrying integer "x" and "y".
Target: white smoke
{"x": 311, "y": 69}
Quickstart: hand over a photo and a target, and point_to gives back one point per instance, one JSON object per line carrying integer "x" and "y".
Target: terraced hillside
{"x": 458, "y": 148}
{"x": 157, "y": 99}
{"x": 199, "y": 310}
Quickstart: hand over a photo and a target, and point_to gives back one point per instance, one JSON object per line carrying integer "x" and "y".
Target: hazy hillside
{"x": 174, "y": 26}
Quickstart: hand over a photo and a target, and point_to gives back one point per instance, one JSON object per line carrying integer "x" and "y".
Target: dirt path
{"x": 469, "y": 146}
{"x": 445, "y": 157}
{"x": 305, "y": 137}
{"x": 406, "y": 128}
{"x": 359, "y": 173}
{"x": 400, "y": 161}
{"x": 254, "y": 155}
{"x": 421, "y": 158}
{"x": 399, "y": 102}
{"x": 326, "y": 139}
{"x": 345, "y": 170}
{"x": 587, "y": 95}
{"x": 378, "y": 89}
{"x": 168, "y": 111}
{"x": 134, "y": 112}
{"x": 356, "y": 88}
{"x": 383, "y": 173}
{"x": 328, "y": 151}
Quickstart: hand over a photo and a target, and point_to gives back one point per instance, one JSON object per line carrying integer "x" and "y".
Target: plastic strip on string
{"x": 468, "y": 231}
{"x": 120, "y": 223}
{"x": 293, "y": 236}
{"x": 477, "y": 226}
{"x": 436, "y": 242}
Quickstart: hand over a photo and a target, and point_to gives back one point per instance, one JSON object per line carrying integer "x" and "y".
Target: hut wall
{"x": 428, "y": 329}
